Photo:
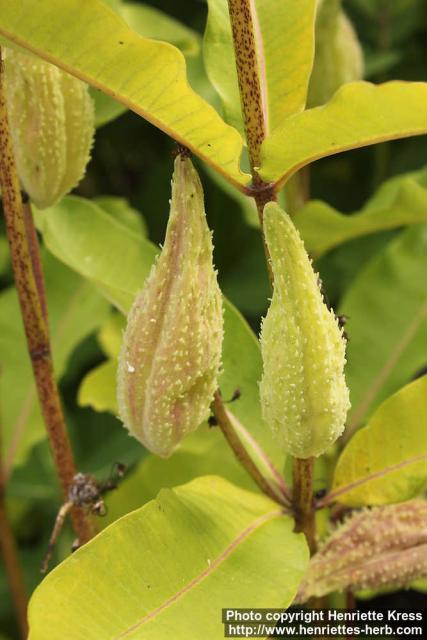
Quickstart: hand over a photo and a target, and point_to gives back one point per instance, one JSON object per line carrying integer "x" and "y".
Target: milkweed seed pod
{"x": 51, "y": 116}
{"x": 338, "y": 55}
{"x": 171, "y": 353}
{"x": 374, "y": 548}
{"x": 303, "y": 392}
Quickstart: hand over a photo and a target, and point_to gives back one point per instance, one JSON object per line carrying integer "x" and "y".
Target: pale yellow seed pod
{"x": 338, "y": 56}
{"x": 51, "y": 116}
{"x": 374, "y": 548}
{"x": 303, "y": 391}
{"x": 171, "y": 353}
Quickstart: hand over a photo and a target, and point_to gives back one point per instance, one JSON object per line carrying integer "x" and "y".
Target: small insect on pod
{"x": 303, "y": 391}
{"x": 171, "y": 353}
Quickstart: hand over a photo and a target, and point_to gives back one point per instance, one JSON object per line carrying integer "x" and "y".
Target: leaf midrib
{"x": 381, "y": 473}
{"x": 232, "y": 546}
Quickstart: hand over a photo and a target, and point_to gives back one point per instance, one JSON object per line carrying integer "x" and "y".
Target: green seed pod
{"x": 171, "y": 353}
{"x": 303, "y": 392}
{"x": 374, "y": 548}
{"x": 51, "y": 116}
{"x": 338, "y": 56}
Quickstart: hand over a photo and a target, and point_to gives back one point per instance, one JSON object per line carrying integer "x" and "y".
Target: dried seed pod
{"x": 374, "y": 548}
{"x": 338, "y": 56}
{"x": 171, "y": 353}
{"x": 303, "y": 392}
{"x": 51, "y": 117}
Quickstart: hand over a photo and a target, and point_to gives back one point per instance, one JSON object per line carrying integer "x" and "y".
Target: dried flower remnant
{"x": 51, "y": 118}
{"x": 303, "y": 391}
{"x": 374, "y": 548}
{"x": 171, "y": 353}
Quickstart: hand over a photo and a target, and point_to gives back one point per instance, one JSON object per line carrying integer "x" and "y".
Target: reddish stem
{"x": 30, "y": 288}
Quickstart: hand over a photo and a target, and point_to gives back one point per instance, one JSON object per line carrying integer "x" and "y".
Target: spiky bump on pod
{"x": 51, "y": 116}
{"x": 171, "y": 353}
{"x": 338, "y": 56}
{"x": 374, "y": 548}
{"x": 304, "y": 395}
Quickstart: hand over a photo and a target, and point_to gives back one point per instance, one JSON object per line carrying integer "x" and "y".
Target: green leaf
{"x": 204, "y": 452}
{"x": 358, "y": 115}
{"x": 100, "y": 248}
{"x": 75, "y": 310}
{"x": 400, "y": 201}
{"x": 146, "y": 76}
{"x": 117, "y": 261}
{"x": 98, "y": 389}
{"x": 386, "y": 461}
{"x": 150, "y": 23}
{"x": 153, "y": 23}
{"x": 172, "y": 566}
{"x": 387, "y": 310}
{"x": 106, "y": 109}
{"x": 285, "y": 49}
{"x": 121, "y": 211}
{"x": 110, "y": 335}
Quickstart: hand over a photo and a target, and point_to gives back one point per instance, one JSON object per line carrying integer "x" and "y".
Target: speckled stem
{"x": 33, "y": 314}
{"x": 34, "y": 247}
{"x": 303, "y": 500}
{"x": 250, "y": 66}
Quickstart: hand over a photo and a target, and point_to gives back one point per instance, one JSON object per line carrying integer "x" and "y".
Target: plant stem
{"x": 261, "y": 198}
{"x": 252, "y": 99}
{"x": 10, "y": 556}
{"x": 250, "y": 66}
{"x": 303, "y": 500}
{"x": 240, "y": 452}
{"x": 28, "y": 278}
{"x": 33, "y": 244}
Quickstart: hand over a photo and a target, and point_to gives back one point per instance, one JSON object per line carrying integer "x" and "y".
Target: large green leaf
{"x": 205, "y": 452}
{"x": 358, "y": 115}
{"x": 400, "y": 201}
{"x": 75, "y": 310}
{"x": 170, "y": 567}
{"x": 117, "y": 260}
{"x": 89, "y": 40}
{"x": 285, "y": 48}
{"x": 122, "y": 212}
{"x": 387, "y": 309}
{"x": 150, "y": 23}
{"x": 386, "y": 461}
{"x": 87, "y": 239}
